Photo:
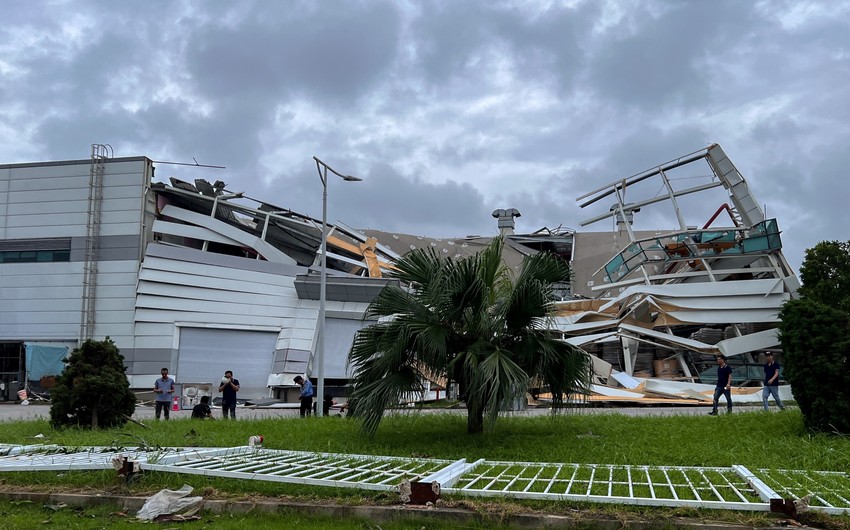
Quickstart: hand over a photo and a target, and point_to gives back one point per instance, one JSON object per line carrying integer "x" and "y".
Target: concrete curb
{"x": 380, "y": 514}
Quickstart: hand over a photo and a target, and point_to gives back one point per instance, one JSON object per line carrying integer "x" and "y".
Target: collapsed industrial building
{"x": 201, "y": 279}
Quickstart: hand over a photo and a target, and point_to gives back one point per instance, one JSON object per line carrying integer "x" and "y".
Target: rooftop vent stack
{"x": 627, "y": 216}
{"x": 506, "y": 220}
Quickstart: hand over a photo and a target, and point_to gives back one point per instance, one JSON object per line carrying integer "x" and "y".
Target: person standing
{"x": 723, "y": 386}
{"x": 228, "y": 388}
{"x": 771, "y": 381}
{"x": 327, "y": 403}
{"x": 306, "y": 396}
{"x": 164, "y": 390}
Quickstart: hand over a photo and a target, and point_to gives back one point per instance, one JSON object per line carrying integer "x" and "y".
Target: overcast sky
{"x": 447, "y": 110}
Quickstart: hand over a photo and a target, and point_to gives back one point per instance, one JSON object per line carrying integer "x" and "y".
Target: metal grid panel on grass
{"x": 318, "y": 469}
{"x": 827, "y": 491}
{"x": 639, "y": 485}
{"x": 57, "y": 458}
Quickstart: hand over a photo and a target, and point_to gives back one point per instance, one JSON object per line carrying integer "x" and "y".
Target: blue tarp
{"x": 44, "y": 360}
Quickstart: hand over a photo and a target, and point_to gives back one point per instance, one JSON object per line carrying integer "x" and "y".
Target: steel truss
{"x": 728, "y": 488}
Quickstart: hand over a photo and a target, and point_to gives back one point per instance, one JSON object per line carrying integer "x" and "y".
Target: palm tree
{"x": 469, "y": 321}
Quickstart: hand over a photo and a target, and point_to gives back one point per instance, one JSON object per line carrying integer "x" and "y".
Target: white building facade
{"x": 178, "y": 277}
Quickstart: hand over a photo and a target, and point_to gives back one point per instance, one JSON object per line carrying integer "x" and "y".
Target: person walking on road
{"x": 306, "y": 396}
{"x": 771, "y": 381}
{"x": 228, "y": 388}
{"x": 164, "y": 390}
{"x": 723, "y": 386}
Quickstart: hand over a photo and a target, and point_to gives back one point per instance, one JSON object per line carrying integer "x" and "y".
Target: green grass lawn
{"x": 27, "y": 515}
{"x": 773, "y": 440}
{"x": 753, "y": 439}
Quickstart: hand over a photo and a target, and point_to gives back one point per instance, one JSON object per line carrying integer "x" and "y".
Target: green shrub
{"x": 93, "y": 389}
{"x": 815, "y": 336}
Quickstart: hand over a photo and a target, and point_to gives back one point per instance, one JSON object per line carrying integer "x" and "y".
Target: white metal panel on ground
{"x": 728, "y": 488}
{"x": 614, "y": 392}
{"x": 57, "y": 458}
{"x": 718, "y": 488}
{"x": 828, "y": 491}
{"x": 205, "y": 354}
{"x": 381, "y": 473}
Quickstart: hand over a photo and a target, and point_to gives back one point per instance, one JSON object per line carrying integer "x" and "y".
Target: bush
{"x": 816, "y": 343}
{"x": 815, "y": 336}
{"x": 93, "y": 390}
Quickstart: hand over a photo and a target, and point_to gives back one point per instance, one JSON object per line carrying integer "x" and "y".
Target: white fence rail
{"x": 728, "y": 488}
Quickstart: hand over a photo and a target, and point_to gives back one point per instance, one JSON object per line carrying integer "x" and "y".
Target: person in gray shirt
{"x": 164, "y": 389}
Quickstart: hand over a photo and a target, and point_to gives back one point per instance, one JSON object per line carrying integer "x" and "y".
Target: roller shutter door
{"x": 340, "y": 336}
{"x": 205, "y": 354}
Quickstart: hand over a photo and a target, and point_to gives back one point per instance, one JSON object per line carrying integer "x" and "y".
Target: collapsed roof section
{"x": 211, "y": 218}
{"x": 691, "y": 293}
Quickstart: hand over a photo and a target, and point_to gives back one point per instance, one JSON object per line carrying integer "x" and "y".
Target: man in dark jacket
{"x": 228, "y": 388}
{"x": 724, "y": 385}
{"x": 771, "y": 381}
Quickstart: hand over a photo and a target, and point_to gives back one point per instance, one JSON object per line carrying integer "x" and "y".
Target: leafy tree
{"x": 469, "y": 321}
{"x": 825, "y": 274}
{"x": 815, "y": 336}
{"x": 93, "y": 389}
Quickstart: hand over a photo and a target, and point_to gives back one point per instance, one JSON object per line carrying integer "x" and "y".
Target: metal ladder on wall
{"x": 99, "y": 154}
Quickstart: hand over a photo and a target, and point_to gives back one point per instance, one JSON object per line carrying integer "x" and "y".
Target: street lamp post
{"x": 323, "y": 169}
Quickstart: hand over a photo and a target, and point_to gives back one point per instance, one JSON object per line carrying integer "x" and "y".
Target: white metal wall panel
{"x": 42, "y": 300}
{"x": 283, "y": 283}
{"x": 204, "y": 354}
{"x": 155, "y": 315}
{"x": 54, "y": 199}
{"x": 52, "y": 307}
{"x": 196, "y": 293}
{"x": 224, "y": 284}
{"x": 165, "y": 303}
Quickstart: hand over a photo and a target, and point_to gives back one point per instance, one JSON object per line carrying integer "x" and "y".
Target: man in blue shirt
{"x": 164, "y": 389}
{"x": 724, "y": 385}
{"x": 771, "y": 381}
{"x": 228, "y": 388}
{"x": 306, "y": 396}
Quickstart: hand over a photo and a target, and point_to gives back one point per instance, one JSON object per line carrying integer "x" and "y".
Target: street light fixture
{"x": 323, "y": 169}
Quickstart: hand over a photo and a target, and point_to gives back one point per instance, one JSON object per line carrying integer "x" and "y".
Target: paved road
{"x": 18, "y": 412}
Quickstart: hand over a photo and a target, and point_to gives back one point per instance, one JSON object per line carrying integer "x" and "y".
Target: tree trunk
{"x": 474, "y": 419}
{"x": 94, "y": 418}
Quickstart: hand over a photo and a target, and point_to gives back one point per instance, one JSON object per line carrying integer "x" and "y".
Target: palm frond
{"x": 380, "y": 391}
{"x": 418, "y": 267}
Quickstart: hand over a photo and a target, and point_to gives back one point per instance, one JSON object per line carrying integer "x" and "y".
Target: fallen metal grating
{"x": 732, "y": 488}
{"x": 826, "y": 491}
{"x": 59, "y": 458}
{"x": 698, "y": 487}
{"x": 318, "y": 469}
